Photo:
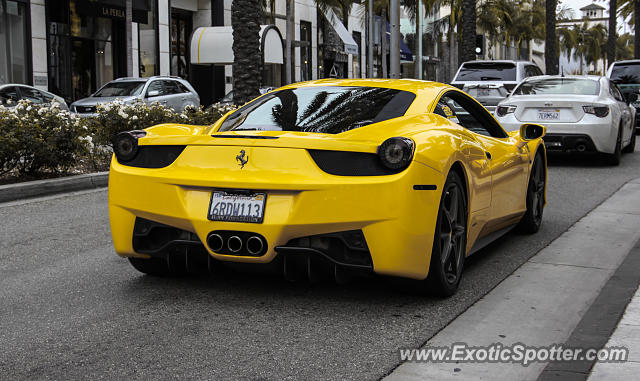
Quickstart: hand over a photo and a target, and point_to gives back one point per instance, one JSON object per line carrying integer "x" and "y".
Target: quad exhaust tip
{"x": 215, "y": 242}
{"x": 254, "y": 245}
{"x": 234, "y": 244}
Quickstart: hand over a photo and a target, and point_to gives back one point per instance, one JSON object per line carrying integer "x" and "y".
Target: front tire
{"x": 450, "y": 239}
{"x": 532, "y": 219}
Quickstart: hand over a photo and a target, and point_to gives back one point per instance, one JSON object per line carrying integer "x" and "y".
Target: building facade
{"x": 73, "y": 47}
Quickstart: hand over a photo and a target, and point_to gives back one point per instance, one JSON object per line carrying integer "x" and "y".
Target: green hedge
{"x": 36, "y": 139}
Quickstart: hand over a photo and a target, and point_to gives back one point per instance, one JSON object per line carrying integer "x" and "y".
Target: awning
{"x": 405, "y": 52}
{"x": 214, "y": 45}
{"x": 350, "y": 45}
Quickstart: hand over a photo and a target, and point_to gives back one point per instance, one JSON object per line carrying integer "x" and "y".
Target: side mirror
{"x": 530, "y": 131}
{"x": 153, "y": 93}
{"x": 630, "y": 97}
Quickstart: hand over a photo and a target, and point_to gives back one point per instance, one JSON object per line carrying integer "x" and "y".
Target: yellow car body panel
{"x": 398, "y": 222}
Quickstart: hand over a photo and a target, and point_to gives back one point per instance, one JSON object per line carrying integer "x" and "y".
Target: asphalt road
{"x": 71, "y": 309}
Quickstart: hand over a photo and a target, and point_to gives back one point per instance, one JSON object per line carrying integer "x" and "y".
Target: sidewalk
{"x": 627, "y": 334}
{"x": 543, "y": 301}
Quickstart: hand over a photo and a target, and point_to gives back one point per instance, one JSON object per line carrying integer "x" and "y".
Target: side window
{"x": 537, "y": 70}
{"x": 155, "y": 89}
{"x": 469, "y": 114}
{"x": 171, "y": 87}
{"x": 9, "y": 96}
{"x": 32, "y": 95}
{"x": 46, "y": 97}
{"x": 183, "y": 88}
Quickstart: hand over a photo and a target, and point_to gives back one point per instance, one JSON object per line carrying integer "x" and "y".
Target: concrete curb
{"x": 29, "y": 189}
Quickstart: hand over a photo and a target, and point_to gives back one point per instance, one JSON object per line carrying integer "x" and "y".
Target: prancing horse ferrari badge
{"x": 241, "y": 159}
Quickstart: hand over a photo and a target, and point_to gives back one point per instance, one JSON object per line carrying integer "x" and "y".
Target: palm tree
{"x": 246, "y": 16}
{"x": 550, "y": 55}
{"x": 468, "y": 44}
{"x": 611, "y": 40}
{"x": 631, "y": 8}
{"x": 624, "y": 46}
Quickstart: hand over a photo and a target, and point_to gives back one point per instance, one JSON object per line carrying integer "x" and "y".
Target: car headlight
{"x": 504, "y": 110}
{"x": 599, "y": 111}
{"x": 396, "y": 153}
{"x": 125, "y": 144}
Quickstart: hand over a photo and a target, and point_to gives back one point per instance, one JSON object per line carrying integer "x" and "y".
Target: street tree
{"x": 246, "y": 16}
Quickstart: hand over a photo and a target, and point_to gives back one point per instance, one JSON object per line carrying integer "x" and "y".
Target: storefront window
{"x": 148, "y": 43}
{"x": 14, "y": 58}
{"x": 86, "y": 50}
{"x": 181, "y": 26}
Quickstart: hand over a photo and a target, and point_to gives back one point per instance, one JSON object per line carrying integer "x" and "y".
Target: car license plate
{"x": 237, "y": 207}
{"x": 482, "y": 92}
{"x": 548, "y": 114}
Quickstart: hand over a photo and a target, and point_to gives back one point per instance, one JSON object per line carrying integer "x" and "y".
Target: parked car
{"x": 626, "y": 74}
{"x": 491, "y": 81}
{"x": 173, "y": 92}
{"x": 228, "y": 98}
{"x": 10, "y": 94}
{"x": 581, "y": 113}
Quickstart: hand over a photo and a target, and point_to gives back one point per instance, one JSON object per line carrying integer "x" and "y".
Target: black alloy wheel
{"x": 532, "y": 219}
{"x": 450, "y": 239}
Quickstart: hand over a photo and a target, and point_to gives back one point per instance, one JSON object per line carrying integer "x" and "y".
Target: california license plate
{"x": 482, "y": 92}
{"x": 237, "y": 207}
{"x": 548, "y": 114}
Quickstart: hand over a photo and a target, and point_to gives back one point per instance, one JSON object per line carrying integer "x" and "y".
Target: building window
{"x": 14, "y": 54}
{"x": 148, "y": 43}
{"x": 305, "y": 51}
{"x": 181, "y": 25}
{"x": 356, "y": 57}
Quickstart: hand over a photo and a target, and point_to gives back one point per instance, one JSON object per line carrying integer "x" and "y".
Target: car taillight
{"x": 504, "y": 110}
{"x": 396, "y": 153}
{"x": 599, "y": 111}
{"x": 125, "y": 144}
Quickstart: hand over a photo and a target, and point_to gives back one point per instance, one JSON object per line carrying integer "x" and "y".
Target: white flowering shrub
{"x": 36, "y": 138}
{"x": 118, "y": 116}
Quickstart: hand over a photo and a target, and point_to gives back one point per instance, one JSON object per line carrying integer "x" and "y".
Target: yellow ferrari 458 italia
{"x": 395, "y": 177}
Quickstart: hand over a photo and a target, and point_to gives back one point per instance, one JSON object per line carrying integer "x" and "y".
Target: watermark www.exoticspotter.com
{"x": 517, "y": 353}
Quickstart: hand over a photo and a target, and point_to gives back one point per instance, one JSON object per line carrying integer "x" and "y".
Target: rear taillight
{"x": 599, "y": 111}
{"x": 504, "y": 110}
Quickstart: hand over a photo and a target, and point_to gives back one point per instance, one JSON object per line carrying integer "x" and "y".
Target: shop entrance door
{"x": 83, "y": 67}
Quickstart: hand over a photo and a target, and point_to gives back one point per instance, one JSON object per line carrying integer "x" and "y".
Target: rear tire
{"x": 151, "y": 266}
{"x": 532, "y": 219}
{"x": 614, "y": 158}
{"x": 632, "y": 145}
{"x": 450, "y": 239}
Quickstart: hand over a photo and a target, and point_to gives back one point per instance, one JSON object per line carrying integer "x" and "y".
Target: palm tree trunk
{"x": 550, "y": 56}
{"x": 247, "y": 65}
{"x": 636, "y": 36}
{"x": 611, "y": 38}
{"x": 468, "y": 44}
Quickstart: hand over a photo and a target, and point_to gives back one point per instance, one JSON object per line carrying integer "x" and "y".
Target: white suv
{"x": 490, "y": 82}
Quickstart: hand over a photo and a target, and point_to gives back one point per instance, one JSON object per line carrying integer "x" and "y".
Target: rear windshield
{"x": 550, "y": 86}
{"x": 626, "y": 73}
{"x": 326, "y": 109}
{"x": 490, "y": 71}
{"x": 120, "y": 89}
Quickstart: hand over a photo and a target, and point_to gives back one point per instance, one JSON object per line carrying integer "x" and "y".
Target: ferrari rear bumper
{"x": 306, "y": 212}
